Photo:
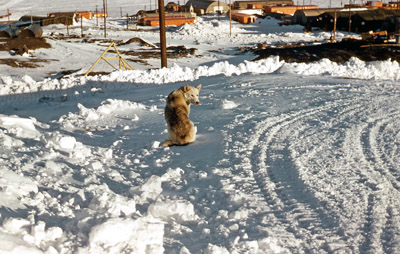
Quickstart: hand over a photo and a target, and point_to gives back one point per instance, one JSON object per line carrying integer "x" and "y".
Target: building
{"x": 171, "y": 6}
{"x": 393, "y": 5}
{"x": 85, "y": 14}
{"x": 325, "y": 20}
{"x": 241, "y": 5}
{"x": 287, "y": 10}
{"x": 371, "y": 20}
{"x": 169, "y": 21}
{"x": 66, "y": 18}
{"x": 391, "y": 24}
{"x": 207, "y": 6}
{"x": 304, "y": 17}
{"x": 100, "y": 14}
{"x": 244, "y": 18}
{"x": 361, "y": 21}
{"x": 377, "y": 4}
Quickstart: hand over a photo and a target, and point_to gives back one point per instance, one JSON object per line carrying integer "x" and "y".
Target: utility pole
{"x": 230, "y": 18}
{"x": 8, "y": 15}
{"x": 105, "y": 19}
{"x": 349, "y": 16}
{"x": 97, "y": 17}
{"x": 82, "y": 26}
{"x": 334, "y": 28}
{"x": 163, "y": 39}
{"x": 218, "y": 11}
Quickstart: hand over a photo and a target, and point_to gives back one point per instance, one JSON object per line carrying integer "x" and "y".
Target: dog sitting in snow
{"x": 181, "y": 131}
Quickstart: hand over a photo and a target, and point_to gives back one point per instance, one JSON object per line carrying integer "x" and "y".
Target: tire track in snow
{"x": 301, "y": 211}
{"x": 296, "y": 214}
{"x": 382, "y": 201}
{"x": 372, "y": 184}
{"x": 296, "y": 211}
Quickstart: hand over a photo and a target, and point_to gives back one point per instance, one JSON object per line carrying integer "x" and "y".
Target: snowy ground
{"x": 289, "y": 158}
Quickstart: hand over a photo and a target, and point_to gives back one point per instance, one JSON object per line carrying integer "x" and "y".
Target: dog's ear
{"x": 198, "y": 87}
{"x": 186, "y": 88}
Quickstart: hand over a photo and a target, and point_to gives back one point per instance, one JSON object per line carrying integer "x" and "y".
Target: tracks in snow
{"x": 323, "y": 175}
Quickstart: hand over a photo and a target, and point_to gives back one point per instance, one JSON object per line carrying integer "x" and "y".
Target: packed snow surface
{"x": 289, "y": 157}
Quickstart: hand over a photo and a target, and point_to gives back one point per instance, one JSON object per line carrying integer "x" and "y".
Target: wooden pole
{"x": 67, "y": 21}
{"x": 230, "y": 18}
{"x": 163, "y": 39}
{"x": 82, "y": 26}
{"x": 97, "y": 17}
{"x": 8, "y": 15}
{"x": 218, "y": 11}
{"x": 105, "y": 19}
{"x": 349, "y": 16}
{"x": 334, "y": 27}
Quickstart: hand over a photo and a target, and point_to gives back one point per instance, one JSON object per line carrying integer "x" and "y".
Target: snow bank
{"x": 11, "y": 244}
{"x": 117, "y": 235}
{"x": 354, "y": 68}
{"x": 21, "y": 127}
{"x": 13, "y": 187}
{"x": 179, "y": 210}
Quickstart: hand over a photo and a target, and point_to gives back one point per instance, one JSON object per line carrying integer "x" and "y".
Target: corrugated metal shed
{"x": 302, "y": 17}
{"x": 207, "y": 6}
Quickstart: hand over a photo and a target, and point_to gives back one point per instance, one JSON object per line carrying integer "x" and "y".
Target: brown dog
{"x": 181, "y": 130}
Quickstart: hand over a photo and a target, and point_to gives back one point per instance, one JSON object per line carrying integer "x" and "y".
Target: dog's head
{"x": 191, "y": 94}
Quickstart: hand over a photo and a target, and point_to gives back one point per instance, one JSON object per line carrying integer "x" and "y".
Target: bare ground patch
{"x": 21, "y": 44}
{"x": 31, "y": 63}
{"x": 339, "y": 52}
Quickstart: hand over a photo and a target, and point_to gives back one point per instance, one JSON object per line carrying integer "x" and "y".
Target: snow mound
{"x": 178, "y": 210}
{"x": 11, "y": 244}
{"x": 227, "y": 104}
{"x": 354, "y": 68}
{"x": 13, "y": 187}
{"x": 117, "y": 235}
{"x": 21, "y": 127}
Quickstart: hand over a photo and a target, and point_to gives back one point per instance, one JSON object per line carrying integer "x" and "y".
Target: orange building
{"x": 169, "y": 21}
{"x": 244, "y": 18}
{"x": 288, "y": 10}
{"x": 100, "y": 15}
{"x": 85, "y": 14}
{"x": 374, "y": 4}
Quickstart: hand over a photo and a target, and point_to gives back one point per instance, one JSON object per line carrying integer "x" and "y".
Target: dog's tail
{"x": 167, "y": 143}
